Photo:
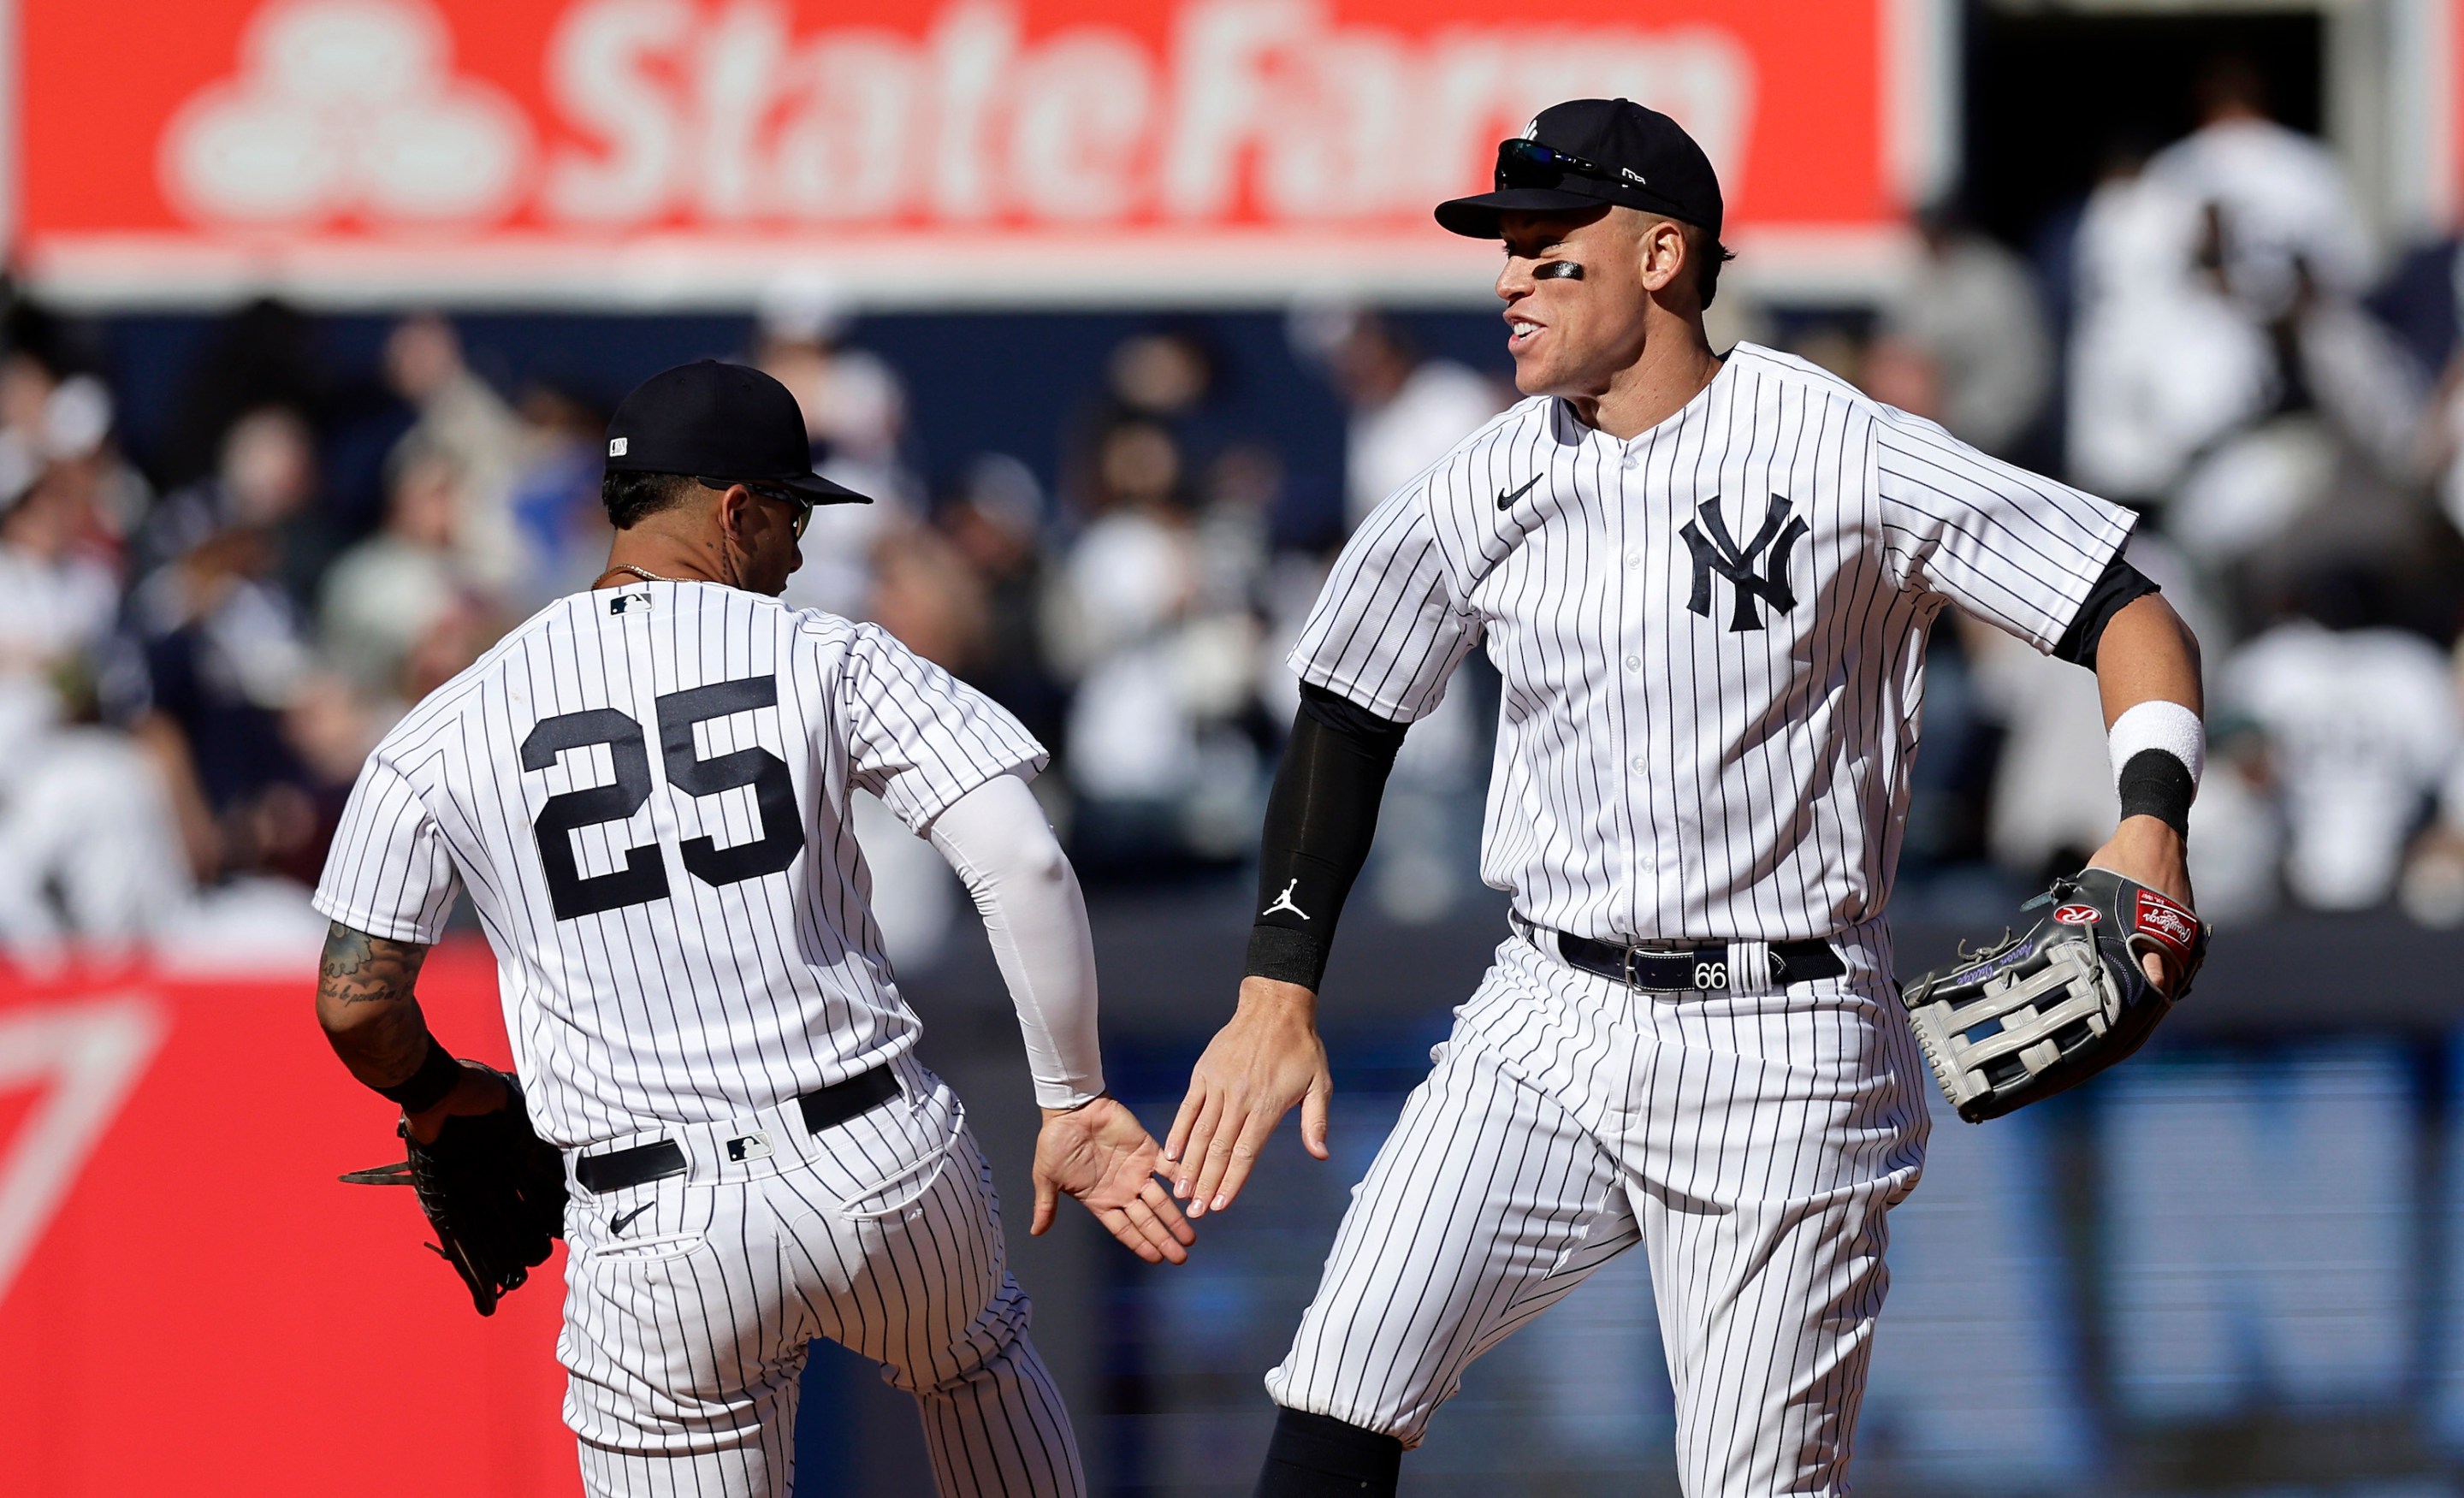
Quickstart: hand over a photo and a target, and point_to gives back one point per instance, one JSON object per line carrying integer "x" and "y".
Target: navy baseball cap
{"x": 725, "y": 421}
{"x": 1589, "y": 151}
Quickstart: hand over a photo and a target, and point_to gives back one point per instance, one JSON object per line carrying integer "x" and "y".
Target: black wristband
{"x": 426, "y": 1086}
{"x": 1287, "y": 956}
{"x": 2156, "y": 783}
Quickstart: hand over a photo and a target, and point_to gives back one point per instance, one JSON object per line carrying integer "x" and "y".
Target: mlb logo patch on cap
{"x": 616, "y": 446}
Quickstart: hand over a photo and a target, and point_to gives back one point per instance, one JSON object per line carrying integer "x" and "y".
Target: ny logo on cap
{"x": 1715, "y": 552}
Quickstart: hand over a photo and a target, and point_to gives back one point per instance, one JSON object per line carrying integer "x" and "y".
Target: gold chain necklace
{"x": 644, "y": 573}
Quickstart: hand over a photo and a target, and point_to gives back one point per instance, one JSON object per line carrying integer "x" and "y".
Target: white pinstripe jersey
{"x": 644, "y": 791}
{"x": 1711, "y": 636}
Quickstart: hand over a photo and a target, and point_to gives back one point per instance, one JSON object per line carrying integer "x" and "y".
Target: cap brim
{"x": 1476, "y": 217}
{"x": 812, "y": 489}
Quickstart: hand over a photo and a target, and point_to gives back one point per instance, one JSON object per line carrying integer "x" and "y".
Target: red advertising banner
{"x": 916, "y": 150}
{"x": 189, "y": 1302}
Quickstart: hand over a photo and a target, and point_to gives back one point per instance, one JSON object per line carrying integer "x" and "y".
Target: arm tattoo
{"x": 363, "y": 1001}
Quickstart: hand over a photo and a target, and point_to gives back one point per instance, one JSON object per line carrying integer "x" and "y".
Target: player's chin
{"x": 1539, "y": 370}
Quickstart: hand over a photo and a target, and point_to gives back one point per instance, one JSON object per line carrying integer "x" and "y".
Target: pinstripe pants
{"x": 689, "y": 1303}
{"x": 1751, "y": 1141}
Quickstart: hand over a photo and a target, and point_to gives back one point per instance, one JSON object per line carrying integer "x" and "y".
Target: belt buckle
{"x": 1631, "y": 983}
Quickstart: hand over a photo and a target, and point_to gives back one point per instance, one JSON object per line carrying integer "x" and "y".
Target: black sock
{"x": 1316, "y": 1456}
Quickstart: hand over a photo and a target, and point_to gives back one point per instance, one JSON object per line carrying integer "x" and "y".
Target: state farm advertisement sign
{"x": 966, "y": 150}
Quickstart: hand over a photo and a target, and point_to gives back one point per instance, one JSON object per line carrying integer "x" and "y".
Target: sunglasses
{"x": 1529, "y": 163}
{"x": 803, "y": 506}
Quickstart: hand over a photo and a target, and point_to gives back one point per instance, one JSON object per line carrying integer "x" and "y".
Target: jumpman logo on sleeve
{"x": 1283, "y": 902}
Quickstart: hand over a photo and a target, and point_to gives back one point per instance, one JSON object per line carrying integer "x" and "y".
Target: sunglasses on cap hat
{"x": 803, "y": 506}
{"x": 1527, "y": 163}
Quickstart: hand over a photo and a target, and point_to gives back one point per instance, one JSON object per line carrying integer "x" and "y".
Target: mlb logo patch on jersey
{"x": 2075, "y": 914}
{"x": 625, "y": 601}
{"x": 748, "y": 1147}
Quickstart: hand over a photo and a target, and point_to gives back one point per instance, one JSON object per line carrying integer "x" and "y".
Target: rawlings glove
{"x": 494, "y": 1192}
{"x": 2042, "y": 1013}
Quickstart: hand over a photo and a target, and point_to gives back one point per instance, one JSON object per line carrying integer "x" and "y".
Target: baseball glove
{"x": 493, "y": 1190}
{"x": 2040, "y": 1013}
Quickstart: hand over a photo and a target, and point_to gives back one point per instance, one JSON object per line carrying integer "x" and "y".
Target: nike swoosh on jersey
{"x": 1506, "y": 501}
{"x": 617, "y": 1224}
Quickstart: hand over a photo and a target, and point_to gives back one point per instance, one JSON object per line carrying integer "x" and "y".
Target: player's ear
{"x": 1660, "y": 253}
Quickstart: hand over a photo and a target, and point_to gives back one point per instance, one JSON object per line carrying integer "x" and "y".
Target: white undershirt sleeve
{"x": 997, "y": 839}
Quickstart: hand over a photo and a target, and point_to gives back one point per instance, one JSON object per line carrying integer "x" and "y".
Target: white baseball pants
{"x": 689, "y": 1303}
{"x": 1751, "y": 1140}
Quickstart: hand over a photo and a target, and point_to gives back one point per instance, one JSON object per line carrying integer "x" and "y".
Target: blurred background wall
{"x": 1126, "y": 312}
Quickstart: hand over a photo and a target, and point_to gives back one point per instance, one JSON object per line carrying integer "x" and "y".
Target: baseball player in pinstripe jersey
{"x": 644, "y": 790}
{"x": 1707, "y": 581}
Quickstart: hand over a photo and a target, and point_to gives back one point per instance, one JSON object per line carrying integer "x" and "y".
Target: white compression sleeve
{"x": 997, "y": 839}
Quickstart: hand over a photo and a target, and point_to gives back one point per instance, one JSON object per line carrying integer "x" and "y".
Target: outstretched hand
{"x": 1104, "y": 1156}
{"x": 1266, "y": 1059}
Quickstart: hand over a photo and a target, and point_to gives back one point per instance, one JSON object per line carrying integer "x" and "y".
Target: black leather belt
{"x": 1704, "y": 968}
{"x": 824, "y": 1108}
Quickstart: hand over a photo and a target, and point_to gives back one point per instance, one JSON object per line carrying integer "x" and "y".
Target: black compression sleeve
{"x": 1321, "y": 818}
{"x": 2120, "y": 583}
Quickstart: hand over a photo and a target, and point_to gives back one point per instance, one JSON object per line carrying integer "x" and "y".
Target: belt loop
{"x": 1750, "y": 968}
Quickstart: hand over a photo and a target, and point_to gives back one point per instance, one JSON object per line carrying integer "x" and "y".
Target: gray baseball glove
{"x": 2040, "y": 1013}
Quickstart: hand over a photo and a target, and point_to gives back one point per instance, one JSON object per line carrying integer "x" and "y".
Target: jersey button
{"x": 1641, "y": 764}
{"x": 1633, "y": 663}
{"x": 1633, "y": 559}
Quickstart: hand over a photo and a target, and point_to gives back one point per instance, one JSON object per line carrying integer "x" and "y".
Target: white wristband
{"x": 2168, "y": 726}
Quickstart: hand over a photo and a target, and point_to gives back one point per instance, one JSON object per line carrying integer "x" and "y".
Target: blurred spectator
{"x": 2280, "y": 196}
{"x": 925, "y": 592}
{"x": 61, "y": 604}
{"x": 1963, "y": 340}
{"x": 556, "y": 502}
{"x": 265, "y": 486}
{"x": 385, "y": 594}
{"x": 466, "y": 422}
{"x": 2162, "y": 362}
{"x": 2361, "y": 723}
{"x": 995, "y": 521}
{"x": 855, "y": 413}
{"x": 1162, "y": 651}
{"x": 1406, "y": 411}
{"x": 89, "y": 846}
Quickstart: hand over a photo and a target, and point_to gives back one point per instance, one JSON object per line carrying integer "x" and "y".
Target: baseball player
{"x": 1707, "y": 581}
{"x": 644, "y": 790}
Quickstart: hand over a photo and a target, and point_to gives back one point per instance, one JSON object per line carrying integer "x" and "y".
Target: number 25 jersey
{"x": 644, "y": 792}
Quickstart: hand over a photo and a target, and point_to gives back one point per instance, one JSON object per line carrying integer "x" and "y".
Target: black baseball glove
{"x": 2043, "y": 1012}
{"x": 493, "y": 1190}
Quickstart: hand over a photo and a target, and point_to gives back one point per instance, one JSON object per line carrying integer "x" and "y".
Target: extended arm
{"x": 2148, "y": 674}
{"x": 1091, "y": 1147}
{"x": 1320, "y": 819}
{"x": 366, "y": 1004}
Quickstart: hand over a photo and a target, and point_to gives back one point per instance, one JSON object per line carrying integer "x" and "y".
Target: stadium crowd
{"x": 200, "y": 641}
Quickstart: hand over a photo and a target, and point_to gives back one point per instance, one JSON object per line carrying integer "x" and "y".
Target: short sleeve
{"x": 389, "y": 873}
{"x": 918, "y": 737}
{"x": 2015, "y": 549}
{"x": 1388, "y": 630}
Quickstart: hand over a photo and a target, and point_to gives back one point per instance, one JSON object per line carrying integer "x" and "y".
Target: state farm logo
{"x": 346, "y": 108}
{"x": 2075, "y": 915}
{"x": 635, "y": 114}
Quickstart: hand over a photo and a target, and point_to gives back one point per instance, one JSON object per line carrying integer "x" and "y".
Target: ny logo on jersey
{"x": 1716, "y": 552}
